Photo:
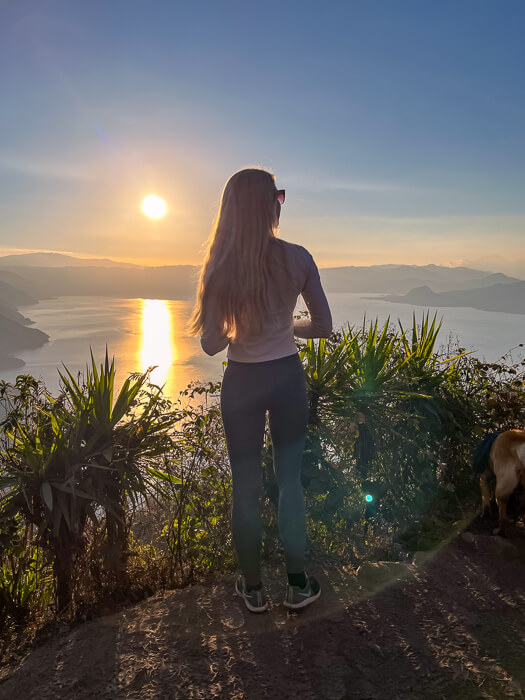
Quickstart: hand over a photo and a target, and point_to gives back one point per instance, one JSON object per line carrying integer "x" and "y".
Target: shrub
{"x": 69, "y": 460}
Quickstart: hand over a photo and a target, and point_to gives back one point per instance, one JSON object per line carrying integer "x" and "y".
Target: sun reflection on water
{"x": 157, "y": 346}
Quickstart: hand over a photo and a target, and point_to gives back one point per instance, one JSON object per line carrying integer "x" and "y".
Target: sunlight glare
{"x": 157, "y": 346}
{"x": 154, "y": 206}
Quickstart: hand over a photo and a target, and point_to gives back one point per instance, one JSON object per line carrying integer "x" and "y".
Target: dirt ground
{"x": 453, "y": 628}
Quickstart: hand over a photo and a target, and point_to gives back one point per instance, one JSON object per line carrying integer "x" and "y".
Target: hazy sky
{"x": 396, "y": 127}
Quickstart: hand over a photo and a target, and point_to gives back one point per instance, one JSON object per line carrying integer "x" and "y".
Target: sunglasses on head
{"x": 280, "y": 196}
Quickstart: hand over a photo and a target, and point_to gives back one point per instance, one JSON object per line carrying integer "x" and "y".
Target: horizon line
{"x": 9, "y": 252}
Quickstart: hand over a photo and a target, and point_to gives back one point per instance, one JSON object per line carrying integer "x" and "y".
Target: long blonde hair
{"x": 236, "y": 268}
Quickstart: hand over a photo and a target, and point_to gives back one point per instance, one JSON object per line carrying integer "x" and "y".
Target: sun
{"x": 154, "y": 206}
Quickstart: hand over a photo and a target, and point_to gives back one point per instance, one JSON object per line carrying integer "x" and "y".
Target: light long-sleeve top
{"x": 294, "y": 273}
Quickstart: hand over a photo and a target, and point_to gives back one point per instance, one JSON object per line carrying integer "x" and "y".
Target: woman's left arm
{"x": 213, "y": 339}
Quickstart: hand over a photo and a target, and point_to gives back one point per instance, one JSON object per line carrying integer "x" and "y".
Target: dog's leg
{"x": 503, "y": 519}
{"x": 485, "y": 494}
{"x": 522, "y": 482}
{"x": 505, "y": 485}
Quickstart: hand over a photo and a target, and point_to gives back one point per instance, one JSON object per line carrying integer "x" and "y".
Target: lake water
{"x": 145, "y": 332}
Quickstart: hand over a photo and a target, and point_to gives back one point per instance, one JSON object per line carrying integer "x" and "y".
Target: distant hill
{"x": 490, "y": 280}
{"x": 171, "y": 282}
{"x": 12, "y": 297}
{"x": 505, "y": 298}
{"x": 8, "y": 312}
{"x": 15, "y": 337}
{"x": 107, "y": 278}
{"x": 14, "y": 334}
{"x": 57, "y": 260}
{"x": 400, "y": 279}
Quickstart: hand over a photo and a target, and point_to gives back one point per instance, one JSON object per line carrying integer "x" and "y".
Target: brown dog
{"x": 507, "y": 462}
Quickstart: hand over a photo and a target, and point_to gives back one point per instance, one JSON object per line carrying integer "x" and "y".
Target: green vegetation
{"x": 106, "y": 496}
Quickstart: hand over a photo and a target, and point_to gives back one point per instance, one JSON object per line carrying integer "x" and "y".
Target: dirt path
{"x": 453, "y": 629}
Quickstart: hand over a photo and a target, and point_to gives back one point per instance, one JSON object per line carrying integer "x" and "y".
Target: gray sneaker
{"x": 255, "y": 601}
{"x": 297, "y": 598}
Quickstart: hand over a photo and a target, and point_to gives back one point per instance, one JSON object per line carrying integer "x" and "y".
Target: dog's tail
{"x": 480, "y": 461}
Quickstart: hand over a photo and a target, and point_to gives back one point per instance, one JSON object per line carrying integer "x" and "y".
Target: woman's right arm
{"x": 319, "y": 325}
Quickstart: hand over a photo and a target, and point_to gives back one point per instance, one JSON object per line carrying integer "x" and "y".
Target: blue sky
{"x": 395, "y": 127}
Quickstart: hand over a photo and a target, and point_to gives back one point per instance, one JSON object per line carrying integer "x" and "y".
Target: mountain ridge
{"x": 420, "y": 285}
{"x": 107, "y": 277}
{"x": 58, "y": 260}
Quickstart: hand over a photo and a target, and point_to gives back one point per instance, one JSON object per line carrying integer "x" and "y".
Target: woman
{"x": 248, "y": 290}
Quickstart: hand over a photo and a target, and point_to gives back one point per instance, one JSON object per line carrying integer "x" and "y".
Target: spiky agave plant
{"x": 396, "y": 388}
{"x": 324, "y": 362}
{"x": 81, "y": 455}
{"x": 368, "y": 385}
{"x": 350, "y": 377}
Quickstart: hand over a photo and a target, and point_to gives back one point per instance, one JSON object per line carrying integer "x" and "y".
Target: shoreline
{"x": 20, "y": 335}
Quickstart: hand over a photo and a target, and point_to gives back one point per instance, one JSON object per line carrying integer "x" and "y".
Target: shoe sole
{"x": 250, "y": 607}
{"x": 303, "y": 603}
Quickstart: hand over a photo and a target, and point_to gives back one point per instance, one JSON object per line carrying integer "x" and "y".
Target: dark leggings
{"x": 248, "y": 391}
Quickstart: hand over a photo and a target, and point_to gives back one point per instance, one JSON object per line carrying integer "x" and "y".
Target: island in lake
{"x": 502, "y": 297}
